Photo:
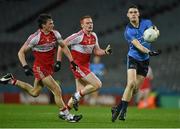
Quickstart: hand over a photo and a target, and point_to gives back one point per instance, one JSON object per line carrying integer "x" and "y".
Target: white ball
{"x": 150, "y": 35}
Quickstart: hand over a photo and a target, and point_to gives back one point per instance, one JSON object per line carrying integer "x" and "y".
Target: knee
{"x": 98, "y": 84}
{"x": 132, "y": 84}
{"x": 57, "y": 91}
{"x": 35, "y": 94}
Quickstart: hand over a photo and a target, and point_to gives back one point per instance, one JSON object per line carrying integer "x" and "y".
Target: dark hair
{"x": 42, "y": 19}
{"x": 133, "y": 6}
{"x": 84, "y": 17}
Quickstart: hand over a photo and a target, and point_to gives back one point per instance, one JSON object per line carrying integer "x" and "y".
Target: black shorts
{"x": 140, "y": 66}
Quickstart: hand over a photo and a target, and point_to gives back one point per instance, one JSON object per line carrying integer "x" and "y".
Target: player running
{"x": 43, "y": 45}
{"x": 83, "y": 44}
{"x": 138, "y": 59}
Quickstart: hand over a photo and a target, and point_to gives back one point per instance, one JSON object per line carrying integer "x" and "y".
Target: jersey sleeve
{"x": 74, "y": 39}
{"x": 32, "y": 40}
{"x": 149, "y": 23}
{"x": 97, "y": 44}
{"x": 129, "y": 35}
{"x": 58, "y": 36}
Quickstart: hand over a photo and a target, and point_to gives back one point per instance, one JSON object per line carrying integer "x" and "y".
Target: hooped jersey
{"x": 43, "y": 46}
{"x": 82, "y": 46}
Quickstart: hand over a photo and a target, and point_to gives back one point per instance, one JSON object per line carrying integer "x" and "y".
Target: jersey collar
{"x": 131, "y": 26}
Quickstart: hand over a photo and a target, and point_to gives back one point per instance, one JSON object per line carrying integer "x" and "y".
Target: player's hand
{"x": 57, "y": 66}
{"x": 156, "y": 29}
{"x": 108, "y": 50}
{"x": 28, "y": 71}
{"x": 74, "y": 65}
{"x": 155, "y": 53}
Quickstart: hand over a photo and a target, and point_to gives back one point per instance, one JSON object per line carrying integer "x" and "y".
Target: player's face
{"x": 49, "y": 26}
{"x": 87, "y": 24}
{"x": 133, "y": 14}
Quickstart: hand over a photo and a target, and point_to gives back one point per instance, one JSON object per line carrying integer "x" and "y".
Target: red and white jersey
{"x": 43, "y": 46}
{"x": 82, "y": 46}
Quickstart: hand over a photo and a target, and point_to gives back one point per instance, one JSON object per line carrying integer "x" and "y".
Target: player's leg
{"x": 139, "y": 82}
{"x": 134, "y": 82}
{"x": 33, "y": 91}
{"x": 127, "y": 95}
{"x": 131, "y": 84}
{"x": 79, "y": 85}
{"x": 53, "y": 86}
{"x": 90, "y": 82}
{"x": 55, "y": 89}
{"x": 135, "y": 79}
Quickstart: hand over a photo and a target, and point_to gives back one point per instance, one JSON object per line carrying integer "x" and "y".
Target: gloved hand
{"x": 74, "y": 65}
{"x": 57, "y": 66}
{"x": 155, "y": 53}
{"x": 156, "y": 29}
{"x": 108, "y": 50}
{"x": 28, "y": 71}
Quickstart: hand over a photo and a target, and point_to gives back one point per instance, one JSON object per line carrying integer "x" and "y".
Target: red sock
{"x": 68, "y": 107}
{"x": 81, "y": 93}
{"x": 13, "y": 81}
{"x": 63, "y": 109}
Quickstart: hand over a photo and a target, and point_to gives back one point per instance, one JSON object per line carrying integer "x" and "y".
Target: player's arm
{"x": 59, "y": 54}
{"x": 64, "y": 48}
{"x": 22, "y": 58}
{"x": 100, "y": 52}
{"x": 143, "y": 49}
{"x": 22, "y": 54}
{"x": 57, "y": 65}
{"x": 140, "y": 47}
{"x": 151, "y": 25}
{"x": 156, "y": 29}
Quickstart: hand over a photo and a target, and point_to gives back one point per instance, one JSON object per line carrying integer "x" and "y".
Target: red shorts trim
{"x": 41, "y": 72}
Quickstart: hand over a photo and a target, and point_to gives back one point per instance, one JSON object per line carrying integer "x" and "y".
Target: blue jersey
{"x": 132, "y": 33}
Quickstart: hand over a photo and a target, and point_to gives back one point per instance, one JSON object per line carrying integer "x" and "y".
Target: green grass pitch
{"x": 45, "y": 116}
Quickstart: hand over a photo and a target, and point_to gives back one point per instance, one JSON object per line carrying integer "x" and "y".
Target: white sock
{"x": 77, "y": 95}
{"x": 65, "y": 112}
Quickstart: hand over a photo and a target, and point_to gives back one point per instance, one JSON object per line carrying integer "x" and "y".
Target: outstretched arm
{"x": 140, "y": 47}
{"x": 143, "y": 49}
{"x": 100, "y": 52}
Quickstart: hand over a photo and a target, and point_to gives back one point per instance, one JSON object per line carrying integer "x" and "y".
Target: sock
{"x": 124, "y": 105}
{"x": 78, "y": 95}
{"x": 81, "y": 94}
{"x": 65, "y": 111}
{"x": 119, "y": 106}
{"x": 68, "y": 107}
{"x": 13, "y": 81}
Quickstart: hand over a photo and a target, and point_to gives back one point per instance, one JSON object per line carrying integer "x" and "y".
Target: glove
{"x": 108, "y": 50}
{"x": 28, "y": 71}
{"x": 155, "y": 53}
{"x": 57, "y": 66}
{"x": 74, "y": 65}
{"x": 156, "y": 29}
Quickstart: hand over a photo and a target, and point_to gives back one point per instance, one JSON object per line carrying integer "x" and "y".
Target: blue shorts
{"x": 140, "y": 66}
